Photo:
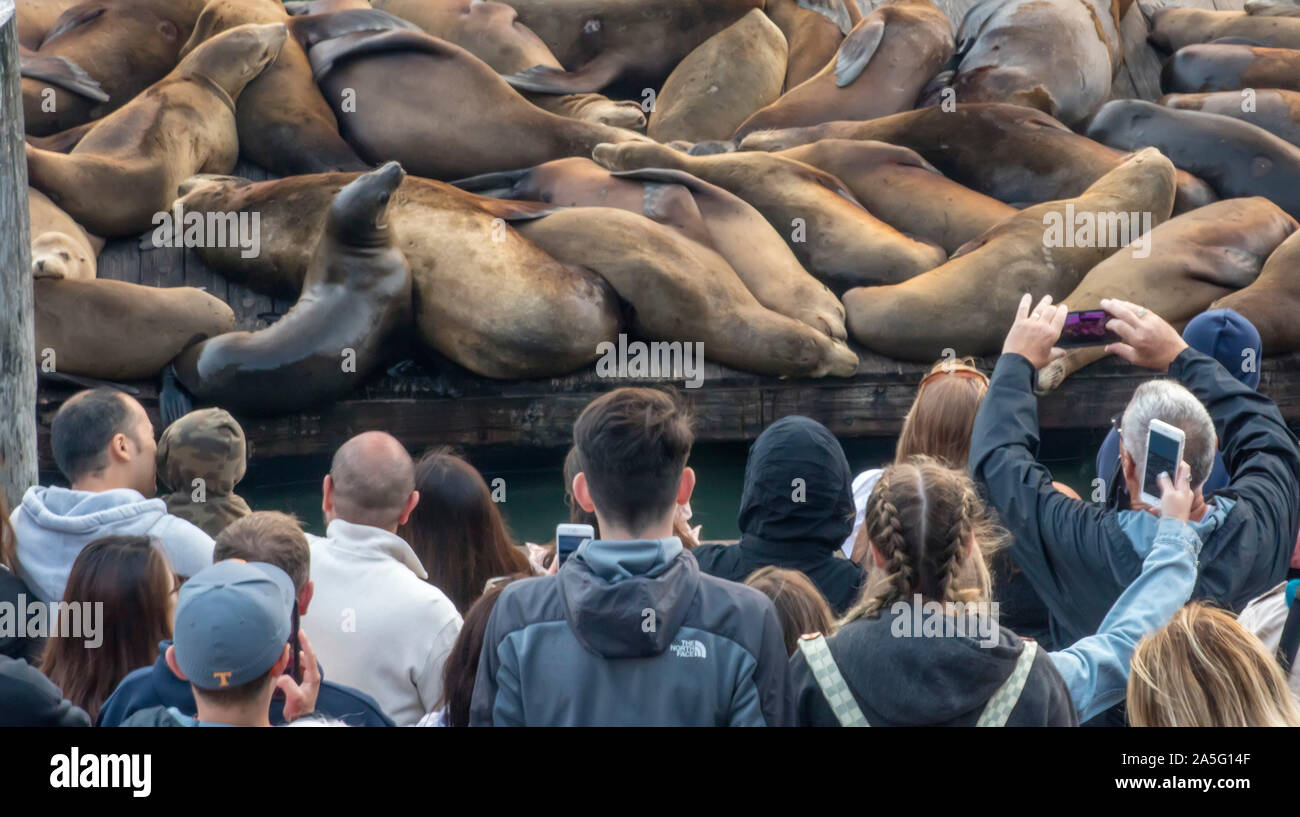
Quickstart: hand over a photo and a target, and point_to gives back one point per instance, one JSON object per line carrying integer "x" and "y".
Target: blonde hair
{"x": 1204, "y": 669}
{"x": 800, "y": 606}
{"x": 920, "y": 518}
{"x": 942, "y": 415}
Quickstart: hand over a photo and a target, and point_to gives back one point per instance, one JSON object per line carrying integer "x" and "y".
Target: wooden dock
{"x": 451, "y": 405}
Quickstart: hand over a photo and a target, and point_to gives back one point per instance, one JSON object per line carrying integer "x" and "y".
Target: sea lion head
{"x": 223, "y": 15}
{"x": 56, "y": 255}
{"x": 358, "y": 215}
{"x": 234, "y": 58}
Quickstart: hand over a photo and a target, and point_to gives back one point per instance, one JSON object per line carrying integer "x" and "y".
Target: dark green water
{"x": 534, "y": 494}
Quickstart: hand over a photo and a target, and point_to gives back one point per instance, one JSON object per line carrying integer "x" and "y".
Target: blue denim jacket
{"x": 1096, "y": 668}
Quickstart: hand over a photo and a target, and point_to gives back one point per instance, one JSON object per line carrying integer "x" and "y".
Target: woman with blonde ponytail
{"x": 923, "y": 645}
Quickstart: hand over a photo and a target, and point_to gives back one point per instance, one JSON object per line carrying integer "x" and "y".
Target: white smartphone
{"x": 567, "y": 539}
{"x": 1164, "y": 453}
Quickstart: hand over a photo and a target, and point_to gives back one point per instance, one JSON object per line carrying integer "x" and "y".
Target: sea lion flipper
{"x": 1237, "y": 41}
{"x": 514, "y": 210}
{"x": 496, "y": 185}
{"x": 589, "y": 79}
{"x": 318, "y": 28}
{"x": 972, "y": 24}
{"x": 62, "y": 72}
{"x": 857, "y": 50}
{"x": 833, "y": 10}
{"x": 73, "y": 17}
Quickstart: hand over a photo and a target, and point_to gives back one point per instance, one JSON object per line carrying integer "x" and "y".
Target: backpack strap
{"x": 827, "y": 674}
{"x": 998, "y": 709}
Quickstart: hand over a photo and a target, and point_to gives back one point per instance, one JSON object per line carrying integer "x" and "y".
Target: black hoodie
{"x": 918, "y": 681}
{"x": 795, "y": 512}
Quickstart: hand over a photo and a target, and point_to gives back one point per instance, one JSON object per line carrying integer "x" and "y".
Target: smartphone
{"x": 1164, "y": 453}
{"x": 567, "y": 539}
{"x": 295, "y": 645}
{"x": 1086, "y": 328}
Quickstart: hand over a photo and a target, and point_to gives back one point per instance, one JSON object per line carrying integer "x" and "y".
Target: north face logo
{"x": 688, "y": 648}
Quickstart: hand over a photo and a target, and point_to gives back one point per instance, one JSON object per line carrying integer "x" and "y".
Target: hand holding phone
{"x": 1164, "y": 455}
{"x": 1086, "y": 328}
{"x": 1176, "y": 497}
{"x": 567, "y": 539}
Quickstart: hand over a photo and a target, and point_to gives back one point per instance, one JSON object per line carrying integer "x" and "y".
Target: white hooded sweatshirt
{"x": 53, "y": 525}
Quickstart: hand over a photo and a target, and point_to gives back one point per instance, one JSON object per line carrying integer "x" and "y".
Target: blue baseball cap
{"x": 232, "y": 622}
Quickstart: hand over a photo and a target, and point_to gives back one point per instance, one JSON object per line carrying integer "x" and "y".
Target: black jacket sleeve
{"x": 1073, "y": 552}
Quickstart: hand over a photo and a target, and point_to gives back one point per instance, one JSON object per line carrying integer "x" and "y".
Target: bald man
{"x": 375, "y": 622}
{"x": 103, "y": 442}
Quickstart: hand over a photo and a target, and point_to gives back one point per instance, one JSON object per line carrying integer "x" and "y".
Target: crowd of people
{"x": 957, "y": 585}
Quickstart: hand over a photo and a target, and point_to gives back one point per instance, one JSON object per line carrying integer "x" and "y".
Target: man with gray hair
{"x": 1079, "y": 556}
{"x": 375, "y": 621}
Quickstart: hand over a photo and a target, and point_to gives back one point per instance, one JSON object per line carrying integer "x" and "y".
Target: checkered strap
{"x": 832, "y": 683}
{"x": 998, "y": 709}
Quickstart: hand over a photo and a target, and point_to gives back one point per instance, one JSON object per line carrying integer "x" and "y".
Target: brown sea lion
{"x": 113, "y": 330}
{"x": 1054, "y": 55}
{"x": 680, "y": 291}
{"x": 1178, "y": 269}
{"x": 1219, "y": 67}
{"x": 600, "y": 41}
{"x": 436, "y": 108}
{"x": 905, "y": 191}
{"x": 284, "y": 123}
{"x": 963, "y": 305}
{"x": 718, "y": 85}
{"x": 61, "y": 248}
{"x": 485, "y": 297}
{"x": 1014, "y": 154}
{"x": 128, "y": 166}
{"x": 700, "y": 211}
{"x": 1174, "y": 27}
{"x": 814, "y": 30}
{"x": 36, "y": 18}
{"x": 492, "y": 32}
{"x": 832, "y": 235}
{"x": 1272, "y": 301}
{"x": 880, "y": 69}
{"x": 1236, "y": 158}
{"x": 1277, "y": 112}
{"x": 356, "y": 295}
{"x": 124, "y": 45}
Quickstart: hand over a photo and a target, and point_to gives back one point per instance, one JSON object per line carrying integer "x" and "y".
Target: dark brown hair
{"x": 632, "y": 444}
{"x": 461, "y": 668}
{"x": 800, "y": 606}
{"x": 268, "y": 536}
{"x": 941, "y": 418}
{"x": 133, "y": 580}
{"x": 457, "y": 531}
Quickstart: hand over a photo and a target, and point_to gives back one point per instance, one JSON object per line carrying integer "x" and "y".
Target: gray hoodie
{"x": 53, "y": 525}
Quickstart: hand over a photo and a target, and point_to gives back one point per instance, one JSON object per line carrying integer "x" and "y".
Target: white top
{"x": 1265, "y": 617}
{"x": 375, "y": 623}
{"x": 863, "y": 485}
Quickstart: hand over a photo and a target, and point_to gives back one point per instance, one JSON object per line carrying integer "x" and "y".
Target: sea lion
{"x": 1219, "y": 67}
{"x": 813, "y": 30}
{"x": 600, "y": 41}
{"x": 485, "y": 297}
{"x": 1014, "y": 154}
{"x": 1179, "y": 269}
{"x": 36, "y": 18}
{"x": 1236, "y": 158}
{"x": 905, "y": 191}
{"x": 437, "y": 109}
{"x": 680, "y": 291}
{"x": 61, "y": 248}
{"x": 1272, "y": 301}
{"x": 357, "y": 293}
{"x": 879, "y": 69}
{"x": 718, "y": 85}
{"x": 1054, "y": 55}
{"x": 964, "y": 305}
{"x": 125, "y": 45}
{"x": 832, "y": 235}
{"x": 182, "y": 125}
{"x": 1277, "y": 112}
{"x": 1174, "y": 27}
{"x": 113, "y": 330}
{"x": 700, "y": 211}
{"x": 284, "y": 123}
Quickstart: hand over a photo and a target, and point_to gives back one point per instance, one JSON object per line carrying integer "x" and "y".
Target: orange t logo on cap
{"x": 224, "y": 676}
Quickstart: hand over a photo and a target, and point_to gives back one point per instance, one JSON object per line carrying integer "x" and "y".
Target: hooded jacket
{"x": 927, "y": 681}
{"x": 206, "y": 445}
{"x": 53, "y": 525}
{"x": 795, "y": 512}
{"x": 631, "y": 633}
{"x": 28, "y": 698}
{"x": 157, "y": 687}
